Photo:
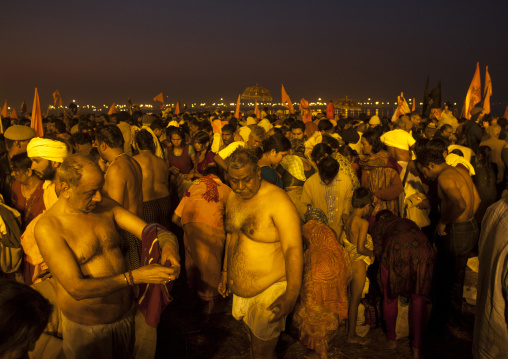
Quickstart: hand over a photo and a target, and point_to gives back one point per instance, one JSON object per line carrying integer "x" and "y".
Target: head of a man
{"x": 297, "y": 130}
{"x": 244, "y": 173}
{"x": 144, "y": 141}
{"x": 228, "y": 134}
{"x": 46, "y": 155}
{"x": 362, "y": 199}
{"x": 328, "y": 168}
{"x": 82, "y": 142}
{"x": 430, "y": 162}
{"x": 446, "y": 130}
{"x": 109, "y": 137}
{"x": 325, "y": 127}
{"x": 256, "y": 137}
{"x": 415, "y": 118}
{"x": 82, "y": 181}
{"x": 17, "y": 138}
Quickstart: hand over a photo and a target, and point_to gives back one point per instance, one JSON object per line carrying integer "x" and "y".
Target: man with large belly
{"x": 264, "y": 259}
{"x": 79, "y": 241}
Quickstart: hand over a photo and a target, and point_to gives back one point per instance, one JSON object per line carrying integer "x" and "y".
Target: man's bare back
{"x": 399, "y": 153}
{"x": 93, "y": 240}
{"x": 255, "y": 257}
{"x": 155, "y": 175}
{"x": 124, "y": 180}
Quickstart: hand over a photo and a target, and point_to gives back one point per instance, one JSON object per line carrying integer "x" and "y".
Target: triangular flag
{"x": 402, "y": 107}
{"x": 256, "y": 111}
{"x": 23, "y": 107}
{"x": 112, "y": 109}
{"x": 36, "y": 122}
{"x": 60, "y": 103}
{"x": 474, "y": 93}
{"x": 286, "y": 102}
{"x": 159, "y": 98}
{"x": 237, "y": 112}
{"x": 14, "y": 114}
{"x": 487, "y": 92}
{"x": 506, "y": 113}
{"x": 56, "y": 96}
{"x": 4, "y": 110}
{"x": 177, "y": 108}
{"x": 305, "y": 110}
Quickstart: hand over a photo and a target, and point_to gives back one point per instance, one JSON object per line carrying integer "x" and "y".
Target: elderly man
{"x": 399, "y": 143}
{"x": 256, "y": 137}
{"x": 78, "y": 239}
{"x": 123, "y": 183}
{"x": 263, "y": 260}
{"x": 16, "y": 140}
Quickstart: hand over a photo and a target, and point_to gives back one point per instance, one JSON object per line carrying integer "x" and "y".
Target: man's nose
{"x": 97, "y": 197}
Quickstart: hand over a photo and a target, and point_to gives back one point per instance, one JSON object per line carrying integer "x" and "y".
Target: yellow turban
{"x": 50, "y": 150}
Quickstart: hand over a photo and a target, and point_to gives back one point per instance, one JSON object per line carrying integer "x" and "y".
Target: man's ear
{"x": 64, "y": 190}
{"x": 55, "y": 164}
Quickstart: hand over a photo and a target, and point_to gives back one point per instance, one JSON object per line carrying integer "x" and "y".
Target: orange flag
{"x": 14, "y": 114}
{"x": 177, "y": 108}
{"x": 414, "y": 105}
{"x": 256, "y": 111}
{"x": 159, "y": 98}
{"x": 487, "y": 92}
{"x": 60, "y": 104}
{"x": 305, "y": 110}
{"x": 286, "y": 102}
{"x": 23, "y": 107}
{"x": 237, "y": 112}
{"x": 506, "y": 113}
{"x": 112, "y": 109}
{"x": 36, "y": 122}
{"x": 4, "y": 110}
{"x": 402, "y": 107}
{"x": 474, "y": 93}
{"x": 56, "y": 96}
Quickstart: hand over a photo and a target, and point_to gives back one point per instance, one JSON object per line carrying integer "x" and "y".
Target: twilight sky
{"x": 97, "y": 52}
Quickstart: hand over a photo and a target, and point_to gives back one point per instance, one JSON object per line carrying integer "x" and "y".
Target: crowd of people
{"x": 289, "y": 213}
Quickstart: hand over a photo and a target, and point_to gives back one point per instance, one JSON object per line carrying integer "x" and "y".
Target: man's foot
{"x": 355, "y": 339}
{"x": 392, "y": 344}
{"x": 416, "y": 353}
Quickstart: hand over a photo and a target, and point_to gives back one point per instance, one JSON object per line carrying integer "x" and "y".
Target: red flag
{"x": 14, "y": 114}
{"x": 177, "y": 108}
{"x": 237, "y": 112}
{"x": 286, "y": 102}
{"x": 414, "y": 105}
{"x": 256, "y": 111}
{"x": 4, "y": 110}
{"x": 487, "y": 92}
{"x": 305, "y": 110}
{"x": 330, "y": 111}
{"x": 474, "y": 93}
{"x": 36, "y": 122}
{"x": 112, "y": 109}
{"x": 159, "y": 98}
{"x": 56, "y": 96}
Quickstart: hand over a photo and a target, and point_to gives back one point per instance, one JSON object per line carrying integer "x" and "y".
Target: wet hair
{"x": 332, "y": 142}
{"x": 242, "y": 157}
{"x": 233, "y": 122}
{"x": 206, "y": 126}
{"x": 458, "y": 152}
{"x": 24, "y": 313}
{"x": 201, "y": 137}
{"x": 328, "y": 168}
{"x": 437, "y": 144}
{"x": 111, "y": 136}
{"x": 420, "y": 144}
{"x": 144, "y": 140}
{"x": 173, "y": 129}
{"x": 228, "y": 128}
{"x": 214, "y": 170}
{"x": 297, "y": 124}
{"x": 21, "y": 162}
{"x": 319, "y": 151}
{"x": 81, "y": 138}
{"x": 325, "y": 125}
{"x": 276, "y": 142}
{"x": 361, "y": 197}
{"x": 156, "y": 124}
{"x": 385, "y": 213}
{"x": 374, "y": 139}
{"x": 429, "y": 156}
{"x": 71, "y": 171}
{"x": 346, "y": 150}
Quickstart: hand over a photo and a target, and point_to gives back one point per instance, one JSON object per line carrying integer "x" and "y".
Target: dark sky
{"x": 97, "y": 52}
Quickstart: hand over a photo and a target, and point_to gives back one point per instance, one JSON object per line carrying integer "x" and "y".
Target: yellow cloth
{"x": 50, "y": 150}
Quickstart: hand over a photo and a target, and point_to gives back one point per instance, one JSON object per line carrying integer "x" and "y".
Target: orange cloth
{"x": 112, "y": 109}
{"x": 237, "y": 112}
{"x": 256, "y": 111}
{"x": 474, "y": 93}
{"x": 305, "y": 110}
{"x": 202, "y": 210}
{"x": 36, "y": 122}
{"x": 323, "y": 301}
{"x": 177, "y": 108}
{"x": 487, "y": 92}
{"x": 286, "y": 102}
{"x": 14, "y": 114}
{"x": 330, "y": 111}
{"x": 159, "y": 98}
{"x": 4, "y": 110}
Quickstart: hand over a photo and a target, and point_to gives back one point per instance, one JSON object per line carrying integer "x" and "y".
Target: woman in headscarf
{"x": 380, "y": 174}
{"x": 323, "y": 301}
{"x": 200, "y": 214}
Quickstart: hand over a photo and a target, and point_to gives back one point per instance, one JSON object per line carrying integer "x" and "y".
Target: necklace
{"x": 114, "y": 159}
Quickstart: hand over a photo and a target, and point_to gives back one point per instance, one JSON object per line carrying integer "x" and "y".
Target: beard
{"x": 47, "y": 174}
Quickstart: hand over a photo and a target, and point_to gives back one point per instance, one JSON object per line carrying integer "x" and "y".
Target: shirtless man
{"x": 256, "y": 137}
{"x": 264, "y": 259}
{"x": 458, "y": 230}
{"x": 78, "y": 239}
{"x": 123, "y": 183}
{"x": 399, "y": 143}
{"x": 155, "y": 180}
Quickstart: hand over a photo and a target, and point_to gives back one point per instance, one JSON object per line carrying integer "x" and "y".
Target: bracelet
{"x": 131, "y": 278}
{"x": 126, "y": 281}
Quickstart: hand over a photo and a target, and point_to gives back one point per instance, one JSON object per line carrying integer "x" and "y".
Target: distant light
{"x": 377, "y": 102}
{"x": 368, "y": 99}
{"x": 73, "y": 100}
{"x": 221, "y": 99}
{"x": 319, "y": 99}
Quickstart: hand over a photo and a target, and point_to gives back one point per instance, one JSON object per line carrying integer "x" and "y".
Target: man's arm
{"x": 222, "y": 164}
{"x": 114, "y": 187}
{"x": 63, "y": 265}
{"x": 287, "y": 222}
{"x": 456, "y": 204}
{"x": 223, "y": 283}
